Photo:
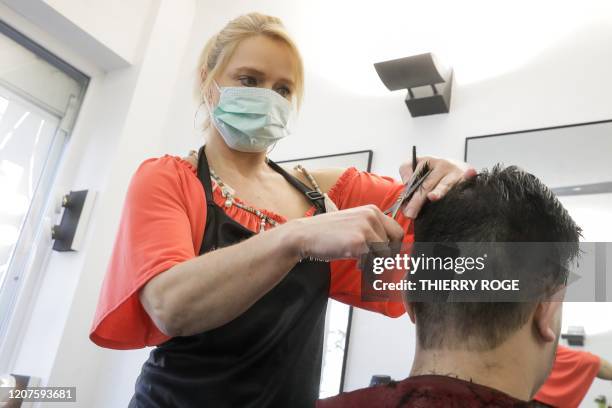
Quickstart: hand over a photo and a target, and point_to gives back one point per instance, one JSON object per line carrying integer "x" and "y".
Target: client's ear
{"x": 545, "y": 320}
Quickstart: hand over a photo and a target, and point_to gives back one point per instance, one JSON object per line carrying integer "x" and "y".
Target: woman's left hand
{"x": 445, "y": 174}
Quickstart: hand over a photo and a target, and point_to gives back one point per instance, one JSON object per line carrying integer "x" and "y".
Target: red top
{"x": 571, "y": 377}
{"x": 162, "y": 224}
{"x": 424, "y": 391}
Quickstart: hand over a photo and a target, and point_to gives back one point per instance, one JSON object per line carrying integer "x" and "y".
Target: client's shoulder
{"x": 432, "y": 391}
{"x": 384, "y": 395}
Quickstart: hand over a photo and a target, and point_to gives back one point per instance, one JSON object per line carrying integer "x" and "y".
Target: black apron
{"x": 270, "y": 356}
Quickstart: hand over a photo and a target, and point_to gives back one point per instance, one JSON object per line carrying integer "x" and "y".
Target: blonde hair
{"x": 220, "y": 48}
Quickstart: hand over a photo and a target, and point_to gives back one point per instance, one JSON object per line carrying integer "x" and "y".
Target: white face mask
{"x": 251, "y": 119}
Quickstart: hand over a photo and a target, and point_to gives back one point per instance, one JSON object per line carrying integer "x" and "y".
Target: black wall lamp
{"x": 70, "y": 232}
{"x": 575, "y": 336}
{"x": 428, "y": 83}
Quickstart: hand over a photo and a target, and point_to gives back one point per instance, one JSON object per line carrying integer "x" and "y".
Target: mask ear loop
{"x": 195, "y": 114}
{"x": 206, "y": 102}
{"x": 270, "y": 151}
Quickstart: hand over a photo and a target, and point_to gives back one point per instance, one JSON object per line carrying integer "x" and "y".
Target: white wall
{"x": 518, "y": 65}
{"x": 110, "y": 34}
{"x": 123, "y": 27}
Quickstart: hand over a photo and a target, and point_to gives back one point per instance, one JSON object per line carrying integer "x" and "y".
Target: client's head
{"x": 500, "y": 205}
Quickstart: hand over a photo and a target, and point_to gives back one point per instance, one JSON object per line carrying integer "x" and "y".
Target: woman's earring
{"x": 195, "y": 115}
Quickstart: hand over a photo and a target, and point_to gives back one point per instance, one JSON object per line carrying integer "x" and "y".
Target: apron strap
{"x": 204, "y": 176}
{"x": 317, "y": 199}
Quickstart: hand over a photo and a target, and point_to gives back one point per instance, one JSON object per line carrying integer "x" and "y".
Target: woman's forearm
{"x": 214, "y": 288}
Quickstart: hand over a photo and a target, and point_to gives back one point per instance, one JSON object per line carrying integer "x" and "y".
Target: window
{"x": 39, "y": 98}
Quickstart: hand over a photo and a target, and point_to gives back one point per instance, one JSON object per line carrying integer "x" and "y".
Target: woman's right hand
{"x": 342, "y": 234}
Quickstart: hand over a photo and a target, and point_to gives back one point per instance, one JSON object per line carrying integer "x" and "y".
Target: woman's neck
{"x": 226, "y": 161}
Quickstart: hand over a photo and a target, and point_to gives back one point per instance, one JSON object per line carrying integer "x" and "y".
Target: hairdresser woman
{"x": 225, "y": 261}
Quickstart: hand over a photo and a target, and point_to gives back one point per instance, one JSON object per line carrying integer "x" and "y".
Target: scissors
{"x": 387, "y": 249}
{"x": 411, "y": 186}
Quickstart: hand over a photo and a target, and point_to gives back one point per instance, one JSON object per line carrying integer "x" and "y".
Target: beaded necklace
{"x": 227, "y": 193}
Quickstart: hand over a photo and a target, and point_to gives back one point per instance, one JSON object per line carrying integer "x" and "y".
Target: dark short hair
{"x": 505, "y": 204}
